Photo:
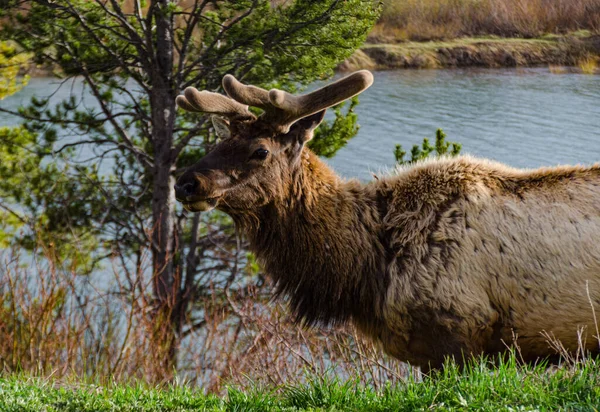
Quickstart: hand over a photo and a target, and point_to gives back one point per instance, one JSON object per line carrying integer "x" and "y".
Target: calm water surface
{"x": 523, "y": 117}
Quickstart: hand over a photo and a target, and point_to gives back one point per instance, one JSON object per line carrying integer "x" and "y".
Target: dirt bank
{"x": 568, "y": 50}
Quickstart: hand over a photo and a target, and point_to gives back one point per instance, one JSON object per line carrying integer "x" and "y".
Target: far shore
{"x": 580, "y": 50}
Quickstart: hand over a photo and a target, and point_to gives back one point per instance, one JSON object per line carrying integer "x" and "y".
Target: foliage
{"x": 479, "y": 387}
{"x": 11, "y": 63}
{"x": 332, "y": 136}
{"x": 271, "y": 46}
{"x": 42, "y": 201}
{"x": 417, "y": 153}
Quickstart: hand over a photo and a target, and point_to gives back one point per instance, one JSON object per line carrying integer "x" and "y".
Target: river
{"x": 523, "y": 117}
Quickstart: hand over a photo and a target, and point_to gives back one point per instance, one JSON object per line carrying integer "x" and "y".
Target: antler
{"x": 282, "y": 109}
{"x": 208, "y": 102}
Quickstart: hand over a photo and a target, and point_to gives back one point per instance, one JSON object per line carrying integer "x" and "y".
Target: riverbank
{"x": 580, "y": 50}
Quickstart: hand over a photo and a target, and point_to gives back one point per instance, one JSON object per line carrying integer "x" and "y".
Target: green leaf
{"x": 426, "y": 149}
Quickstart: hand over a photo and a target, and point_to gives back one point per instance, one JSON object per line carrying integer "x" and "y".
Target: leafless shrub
{"x": 54, "y": 322}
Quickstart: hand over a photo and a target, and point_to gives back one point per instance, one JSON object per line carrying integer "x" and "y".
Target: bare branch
{"x": 142, "y": 157}
{"x": 216, "y": 41}
{"x": 14, "y": 213}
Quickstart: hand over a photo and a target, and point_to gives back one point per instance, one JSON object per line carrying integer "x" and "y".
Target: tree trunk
{"x": 162, "y": 101}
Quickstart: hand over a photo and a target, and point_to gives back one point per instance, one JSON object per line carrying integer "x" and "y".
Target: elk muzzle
{"x": 192, "y": 195}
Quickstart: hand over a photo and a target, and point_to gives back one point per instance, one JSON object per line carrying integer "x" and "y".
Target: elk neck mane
{"x": 322, "y": 245}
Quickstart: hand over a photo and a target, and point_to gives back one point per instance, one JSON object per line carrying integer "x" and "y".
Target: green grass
{"x": 505, "y": 387}
{"x": 425, "y": 46}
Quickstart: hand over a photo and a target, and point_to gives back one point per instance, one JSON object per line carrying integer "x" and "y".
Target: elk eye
{"x": 260, "y": 154}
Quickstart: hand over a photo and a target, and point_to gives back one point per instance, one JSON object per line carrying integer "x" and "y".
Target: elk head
{"x": 254, "y": 162}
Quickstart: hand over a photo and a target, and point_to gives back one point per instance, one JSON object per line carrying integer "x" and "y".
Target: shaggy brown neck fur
{"x": 322, "y": 244}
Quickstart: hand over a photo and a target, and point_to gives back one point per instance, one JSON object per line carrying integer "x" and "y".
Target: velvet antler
{"x": 208, "y": 102}
{"x": 282, "y": 109}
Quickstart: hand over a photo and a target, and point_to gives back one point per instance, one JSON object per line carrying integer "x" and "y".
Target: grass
{"x": 588, "y": 65}
{"x": 504, "y": 387}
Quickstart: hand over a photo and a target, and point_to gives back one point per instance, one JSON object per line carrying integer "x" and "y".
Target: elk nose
{"x": 185, "y": 190}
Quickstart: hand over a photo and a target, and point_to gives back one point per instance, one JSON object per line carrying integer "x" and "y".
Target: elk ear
{"x": 221, "y": 127}
{"x": 306, "y": 126}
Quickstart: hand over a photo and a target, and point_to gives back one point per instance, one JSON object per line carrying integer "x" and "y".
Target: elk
{"x": 451, "y": 257}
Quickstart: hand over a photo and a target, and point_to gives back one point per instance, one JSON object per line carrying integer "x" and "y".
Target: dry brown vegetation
{"x": 444, "y": 19}
{"x": 56, "y": 323}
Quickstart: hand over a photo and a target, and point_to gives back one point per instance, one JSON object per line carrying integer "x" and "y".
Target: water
{"x": 522, "y": 117}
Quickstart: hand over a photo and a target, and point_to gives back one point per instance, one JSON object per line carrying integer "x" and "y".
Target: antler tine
{"x": 208, "y": 102}
{"x": 301, "y": 106}
{"x": 247, "y": 94}
{"x": 256, "y": 97}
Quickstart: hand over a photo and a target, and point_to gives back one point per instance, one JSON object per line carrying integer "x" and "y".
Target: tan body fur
{"x": 453, "y": 256}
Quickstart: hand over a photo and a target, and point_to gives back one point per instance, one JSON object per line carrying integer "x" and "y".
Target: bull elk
{"x": 450, "y": 257}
